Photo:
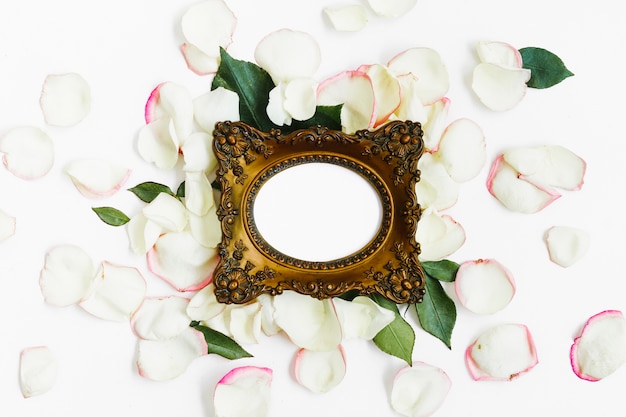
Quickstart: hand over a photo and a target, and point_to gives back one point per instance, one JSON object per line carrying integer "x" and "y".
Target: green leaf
{"x": 546, "y": 69}
{"x": 111, "y": 216}
{"x": 437, "y": 312}
{"x": 329, "y": 116}
{"x": 180, "y": 191}
{"x": 220, "y": 344}
{"x": 251, "y": 83}
{"x": 148, "y": 191}
{"x": 443, "y": 270}
{"x": 398, "y": 337}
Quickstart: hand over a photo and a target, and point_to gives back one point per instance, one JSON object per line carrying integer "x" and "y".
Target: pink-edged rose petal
{"x": 244, "y": 391}
{"x": 288, "y": 54}
{"x": 361, "y": 317}
{"x": 172, "y": 101}
{"x": 502, "y": 353}
{"x": 419, "y": 390}
{"x": 353, "y": 89}
{"x": 411, "y": 106}
{"x": 435, "y": 123}
{"x": 320, "y": 371}
{"x": 462, "y": 149}
{"x": 600, "y": 348}
{"x": 96, "y": 178}
{"x": 438, "y": 235}
{"x": 66, "y": 276}
{"x": 209, "y": 25}
{"x": 484, "y": 286}
{"x": 181, "y": 261}
{"x": 28, "y": 152}
{"x": 216, "y": 106}
{"x": 499, "y": 53}
{"x": 387, "y": 91}
{"x": 199, "y": 62}
{"x": 204, "y": 305}
{"x": 566, "y": 245}
{"x": 426, "y": 65}
{"x": 163, "y": 360}
{"x": 435, "y": 188}
{"x": 160, "y": 318}
{"x": 65, "y": 99}
{"x": 499, "y": 88}
{"x": 349, "y": 18}
{"x": 116, "y": 293}
{"x": 166, "y": 211}
{"x": 310, "y": 323}
{"x": 7, "y": 225}
{"x": 391, "y": 8}
{"x": 38, "y": 371}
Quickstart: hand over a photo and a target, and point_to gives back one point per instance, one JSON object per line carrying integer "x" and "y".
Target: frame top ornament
{"x": 386, "y": 157}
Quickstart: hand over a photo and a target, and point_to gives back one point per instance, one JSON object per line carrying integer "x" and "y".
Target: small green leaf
{"x": 180, "y": 191}
{"x": 220, "y": 344}
{"x": 397, "y": 338}
{"x": 111, "y": 216}
{"x": 437, "y": 312}
{"x": 329, "y": 116}
{"x": 546, "y": 69}
{"x": 148, "y": 191}
{"x": 443, "y": 270}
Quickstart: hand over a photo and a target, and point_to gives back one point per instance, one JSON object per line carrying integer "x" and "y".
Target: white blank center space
{"x": 317, "y": 212}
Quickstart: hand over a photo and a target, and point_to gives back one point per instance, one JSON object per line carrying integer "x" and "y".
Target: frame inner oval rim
{"x": 365, "y": 252}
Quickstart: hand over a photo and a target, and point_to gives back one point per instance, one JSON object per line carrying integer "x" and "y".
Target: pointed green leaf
{"x": 220, "y": 344}
{"x": 180, "y": 191}
{"x": 148, "y": 191}
{"x": 251, "y": 83}
{"x": 111, "y": 216}
{"x": 437, "y": 312}
{"x": 329, "y": 116}
{"x": 443, "y": 270}
{"x": 546, "y": 69}
{"x": 397, "y": 338}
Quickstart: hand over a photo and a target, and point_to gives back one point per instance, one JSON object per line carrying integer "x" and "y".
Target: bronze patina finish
{"x": 386, "y": 157}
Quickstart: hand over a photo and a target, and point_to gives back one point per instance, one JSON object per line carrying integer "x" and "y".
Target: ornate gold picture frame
{"x": 386, "y": 157}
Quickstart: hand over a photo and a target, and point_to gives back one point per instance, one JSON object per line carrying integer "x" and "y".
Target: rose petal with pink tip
{"x": 209, "y": 25}
{"x": 462, "y": 149}
{"x": 600, "y": 348}
{"x": 160, "y": 318}
{"x": 499, "y": 53}
{"x": 353, "y": 89}
{"x": 96, "y": 178}
{"x": 500, "y": 88}
{"x": 66, "y": 276}
{"x": 38, "y": 371}
{"x": 171, "y": 100}
{"x": 566, "y": 245}
{"x": 391, "y": 8}
{"x": 435, "y": 189}
{"x": 7, "y": 225}
{"x": 199, "y": 62}
{"x": 28, "y": 152}
{"x": 116, "y": 293}
{"x": 438, "y": 235}
{"x": 484, "y": 286}
{"x": 181, "y": 261}
{"x": 243, "y": 391}
{"x": 387, "y": 91}
{"x": 502, "y": 353}
{"x": 349, "y": 18}
{"x": 320, "y": 371}
{"x": 411, "y": 106}
{"x": 65, "y": 99}
{"x": 419, "y": 390}
{"x": 163, "y": 360}
{"x": 435, "y": 123}
{"x": 288, "y": 54}
{"x": 426, "y": 65}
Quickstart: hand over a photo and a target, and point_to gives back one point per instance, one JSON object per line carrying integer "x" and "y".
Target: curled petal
{"x": 438, "y": 236}
{"x": 600, "y": 348}
{"x": 499, "y": 88}
{"x": 38, "y": 371}
{"x": 7, "y": 225}
{"x": 198, "y": 61}
{"x": 181, "y": 261}
{"x": 268, "y": 315}
{"x": 209, "y": 25}
{"x": 350, "y": 18}
{"x": 435, "y": 123}
{"x": 411, "y": 106}
{"x": 484, "y": 286}
{"x": 163, "y": 360}
{"x": 116, "y": 293}
{"x": 173, "y": 101}
{"x": 204, "y": 305}
{"x": 65, "y": 99}
{"x": 566, "y": 245}
{"x": 361, "y": 317}
{"x": 28, "y": 152}
{"x": 387, "y": 91}
{"x": 243, "y": 392}
{"x": 435, "y": 188}
{"x": 276, "y": 106}
{"x": 288, "y": 54}
{"x": 66, "y": 276}
{"x": 96, "y": 178}
{"x": 391, "y": 8}
{"x": 426, "y": 65}
{"x": 320, "y": 371}
{"x": 419, "y": 390}
{"x": 499, "y": 53}
{"x": 355, "y": 91}
{"x": 167, "y": 212}
{"x": 215, "y": 106}
{"x": 502, "y": 353}
{"x": 160, "y": 318}
{"x": 462, "y": 150}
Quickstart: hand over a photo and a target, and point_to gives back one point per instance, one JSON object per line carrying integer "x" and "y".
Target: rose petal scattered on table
{"x": 438, "y": 235}
{"x": 28, "y": 152}
{"x": 65, "y": 99}
{"x": 391, "y": 8}
{"x": 426, "y": 65}
{"x": 167, "y": 212}
{"x": 566, "y": 245}
{"x": 320, "y": 371}
{"x": 244, "y": 391}
{"x": 387, "y": 91}
{"x": 159, "y": 318}
{"x": 204, "y": 305}
{"x": 435, "y": 189}
{"x": 499, "y": 88}
{"x": 7, "y": 225}
{"x": 419, "y": 390}
{"x": 462, "y": 149}
{"x": 66, "y": 276}
{"x": 38, "y": 371}
{"x": 96, "y": 178}
{"x": 362, "y": 317}
{"x": 499, "y": 53}
{"x": 215, "y": 106}
{"x": 349, "y": 18}
{"x": 484, "y": 286}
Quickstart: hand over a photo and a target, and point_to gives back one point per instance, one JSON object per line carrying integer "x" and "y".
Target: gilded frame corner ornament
{"x": 386, "y": 157}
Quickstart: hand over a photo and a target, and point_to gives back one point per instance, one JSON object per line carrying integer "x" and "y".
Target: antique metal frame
{"x": 386, "y": 157}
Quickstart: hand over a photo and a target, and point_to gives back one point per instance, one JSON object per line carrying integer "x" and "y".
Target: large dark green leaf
{"x": 437, "y": 312}
{"x": 111, "y": 216}
{"x": 443, "y": 270}
{"x": 251, "y": 83}
{"x": 148, "y": 191}
{"x": 546, "y": 69}
{"x": 220, "y": 344}
{"x": 398, "y": 337}
{"x": 329, "y": 116}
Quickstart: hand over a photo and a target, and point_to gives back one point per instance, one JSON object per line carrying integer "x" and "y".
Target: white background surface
{"x": 124, "y": 48}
